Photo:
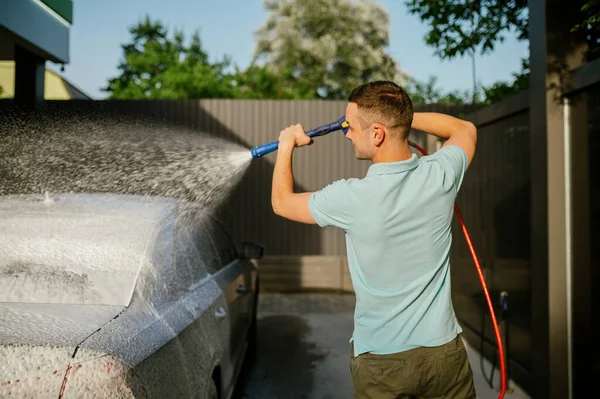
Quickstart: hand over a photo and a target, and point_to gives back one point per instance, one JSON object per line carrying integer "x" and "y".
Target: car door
{"x": 221, "y": 263}
{"x": 207, "y": 303}
{"x": 177, "y": 300}
{"x": 241, "y": 271}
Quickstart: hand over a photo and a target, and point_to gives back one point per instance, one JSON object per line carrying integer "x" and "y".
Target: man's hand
{"x": 294, "y": 136}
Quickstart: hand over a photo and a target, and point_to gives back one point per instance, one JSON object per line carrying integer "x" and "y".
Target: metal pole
{"x": 473, "y": 70}
{"x": 474, "y": 100}
{"x": 568, "y": 242}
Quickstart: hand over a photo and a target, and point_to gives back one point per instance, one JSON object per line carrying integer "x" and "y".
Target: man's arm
{"x": 285, "y": 202}
{"x": 455, "y": 131}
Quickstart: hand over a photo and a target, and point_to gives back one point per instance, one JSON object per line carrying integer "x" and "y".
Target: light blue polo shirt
{"x": 398, "y": 229}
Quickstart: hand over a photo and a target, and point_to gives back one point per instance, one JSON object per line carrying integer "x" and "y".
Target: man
{"x": 406, "y": 341}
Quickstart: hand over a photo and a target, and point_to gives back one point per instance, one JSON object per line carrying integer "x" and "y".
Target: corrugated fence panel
{"x": 259, "y": 122}
{"x": 495, "y": 203}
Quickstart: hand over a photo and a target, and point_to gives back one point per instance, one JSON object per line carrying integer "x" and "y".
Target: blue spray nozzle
{"x": 340, "y": 124}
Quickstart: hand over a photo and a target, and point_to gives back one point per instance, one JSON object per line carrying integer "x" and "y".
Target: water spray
{"x": 342, "y": 125}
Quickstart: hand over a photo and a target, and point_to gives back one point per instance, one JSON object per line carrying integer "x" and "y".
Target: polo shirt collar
{"x": 384, "y": 168}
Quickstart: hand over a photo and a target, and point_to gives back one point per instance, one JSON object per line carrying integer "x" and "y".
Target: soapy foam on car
{"x": 73, "y": 155}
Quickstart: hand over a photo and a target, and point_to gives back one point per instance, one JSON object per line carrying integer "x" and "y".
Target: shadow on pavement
{"x": 284, "y": 363}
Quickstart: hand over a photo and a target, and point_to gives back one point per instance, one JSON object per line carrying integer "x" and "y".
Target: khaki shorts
{"x": 426, "y": 372}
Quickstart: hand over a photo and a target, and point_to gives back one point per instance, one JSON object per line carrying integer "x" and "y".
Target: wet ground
{"x": 303, "y": 350}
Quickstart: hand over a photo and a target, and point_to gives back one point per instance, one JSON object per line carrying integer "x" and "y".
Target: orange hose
{"x": 485, "y": 291}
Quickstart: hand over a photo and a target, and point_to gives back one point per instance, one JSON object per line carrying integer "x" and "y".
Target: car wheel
{"x": 212, "y": 392}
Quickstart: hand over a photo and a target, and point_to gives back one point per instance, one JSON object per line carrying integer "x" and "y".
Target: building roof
{"x": 56, "y": 87}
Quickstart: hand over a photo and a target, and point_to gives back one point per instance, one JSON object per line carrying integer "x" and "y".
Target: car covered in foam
{"x": 121, "y": 296}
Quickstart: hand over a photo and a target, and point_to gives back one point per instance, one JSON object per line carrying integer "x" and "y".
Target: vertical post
{"x": 554, "y": 52}
{"x": 29, "y": 77}
{"x": 582, "y": 277}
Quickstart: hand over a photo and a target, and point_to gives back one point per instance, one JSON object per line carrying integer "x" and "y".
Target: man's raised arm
{"x": 455, "y": 131}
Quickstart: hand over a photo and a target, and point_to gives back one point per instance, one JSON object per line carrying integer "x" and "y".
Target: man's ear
{"x": 378, "y": 134}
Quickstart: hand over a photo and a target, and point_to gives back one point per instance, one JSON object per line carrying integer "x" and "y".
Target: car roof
{"x": 122, "y": 205}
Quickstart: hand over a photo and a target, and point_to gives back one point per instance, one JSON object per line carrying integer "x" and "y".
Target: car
{"x": 122, "y": 296}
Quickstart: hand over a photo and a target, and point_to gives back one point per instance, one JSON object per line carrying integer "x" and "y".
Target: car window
{"x": 204, "y": 240}
{"x": 226, "y": 249}
{"x": 189, "y": 262}
{"x": 169, "y": 275}
{"x": 214, "y": 244}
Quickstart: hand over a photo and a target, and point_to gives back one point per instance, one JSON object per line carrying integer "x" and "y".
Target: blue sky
{"x": 228, "y": 26}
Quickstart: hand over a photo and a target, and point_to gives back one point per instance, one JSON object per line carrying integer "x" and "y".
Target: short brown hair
{"x": 384, "y": 102}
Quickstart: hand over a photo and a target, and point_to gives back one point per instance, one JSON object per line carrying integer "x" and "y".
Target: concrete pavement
{"x": 303, "y": 350}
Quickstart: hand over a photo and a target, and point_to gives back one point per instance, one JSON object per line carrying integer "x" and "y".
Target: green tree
{"x": 501, "y": 90}
{"x": 258, "y": 82}
{"x": 428, "y": 92}
{"x": 325, "y": 48}
{"x": 158, "y": 66}
{"x": 590, "y": 27}
{"x": 1, "y": 90}
{"x": 469, "y": 27}
{"x": 461, "y": 27}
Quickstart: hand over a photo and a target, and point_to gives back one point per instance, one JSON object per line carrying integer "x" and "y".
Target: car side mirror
{"x": 252, "y": 250}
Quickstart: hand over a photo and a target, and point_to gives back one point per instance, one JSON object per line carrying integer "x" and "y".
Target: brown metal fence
{"x": 584, "y": 109}
{"x": 495, "y": 203}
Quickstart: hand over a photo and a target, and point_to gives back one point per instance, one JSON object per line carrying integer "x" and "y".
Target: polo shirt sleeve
{"x": 332, "y": 205}
{"x": 454, "y": 163}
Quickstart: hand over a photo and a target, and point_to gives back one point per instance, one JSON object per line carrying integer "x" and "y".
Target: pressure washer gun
{"x": 340, "y": 124}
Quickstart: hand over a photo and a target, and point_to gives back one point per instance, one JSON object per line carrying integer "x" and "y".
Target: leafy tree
{"x": 460, "y": 27}
{"x": 590, "y": 27}
{"x": 501, "y": 90}
{"x": 1, "y": 90}
{"x": 258, "y": 82}
{"x": 429, "y": 93}
{"x": 156, "y": 66}
{"x": 325, "y": 48}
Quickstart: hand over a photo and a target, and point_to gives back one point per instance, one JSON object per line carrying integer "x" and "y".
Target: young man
{"x": 406, "y": 341}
